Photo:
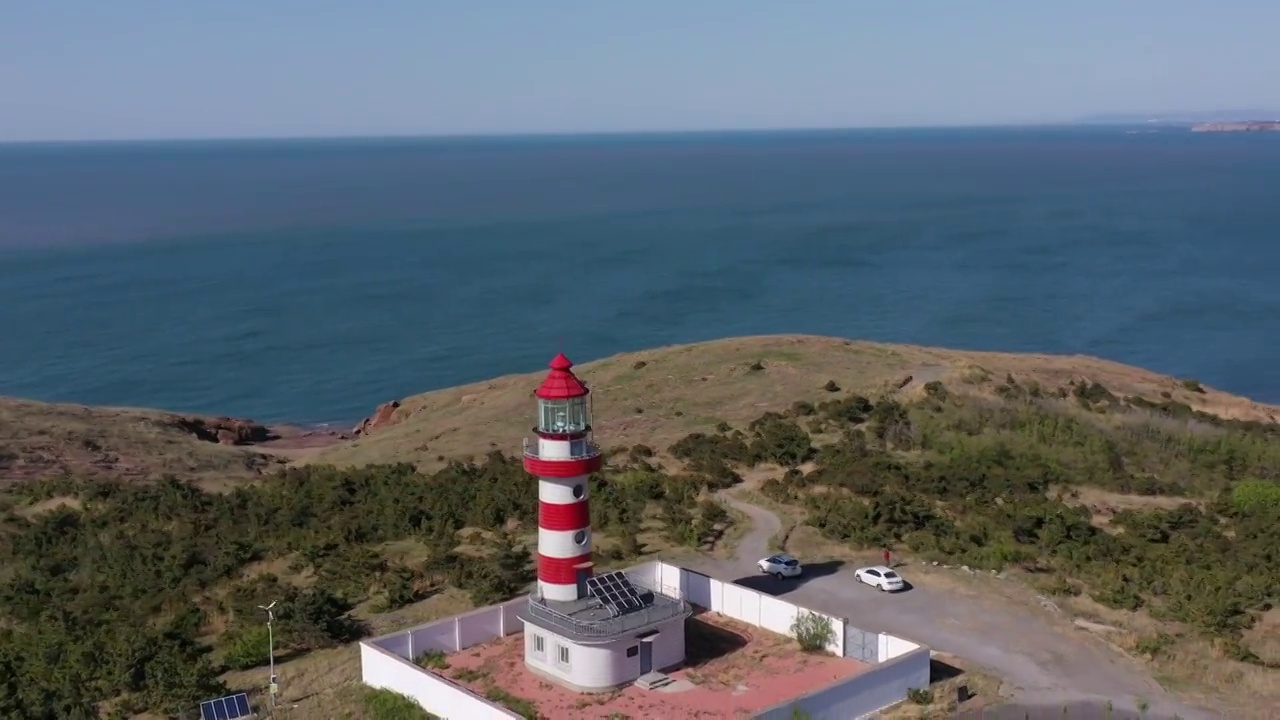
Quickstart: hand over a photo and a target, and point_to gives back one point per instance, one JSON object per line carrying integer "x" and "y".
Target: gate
{"x": 861, "y": 645}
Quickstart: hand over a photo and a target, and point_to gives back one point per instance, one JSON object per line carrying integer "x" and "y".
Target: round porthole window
{"x": 579, "y": 491}
{"x": 580, "y": 537}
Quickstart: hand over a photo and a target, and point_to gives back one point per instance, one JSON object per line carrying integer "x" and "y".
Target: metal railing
{"x": 590, "y": 450}
{"x": 663, "y": 607}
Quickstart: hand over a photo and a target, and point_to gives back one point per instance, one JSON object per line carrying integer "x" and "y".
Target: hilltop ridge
{"x": 652, "y": 397}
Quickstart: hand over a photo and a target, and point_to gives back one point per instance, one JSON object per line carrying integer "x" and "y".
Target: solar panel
{"x": 231, "y": 707}
{"x": 615, "y": 591}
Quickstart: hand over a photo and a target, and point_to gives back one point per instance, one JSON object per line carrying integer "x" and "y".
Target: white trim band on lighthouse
{"x": 563, "y": 491}
{"x": 564, "y": 543}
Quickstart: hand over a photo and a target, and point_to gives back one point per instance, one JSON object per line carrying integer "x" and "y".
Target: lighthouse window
{"x": 563, "y": 416}
{"x": 564, "y": 654}
{"x": 539, "y": 645}
{"x": 633, "y": 651}
{"x": 579, "y": 490}
{"x": 580, "y": 537}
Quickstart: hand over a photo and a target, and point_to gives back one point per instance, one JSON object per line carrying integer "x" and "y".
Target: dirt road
{"x": 1041, "y": 662}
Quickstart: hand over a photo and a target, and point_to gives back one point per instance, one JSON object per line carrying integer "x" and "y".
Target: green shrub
{"x": 812, "y": 631}
{"x": 1256, "y": 496}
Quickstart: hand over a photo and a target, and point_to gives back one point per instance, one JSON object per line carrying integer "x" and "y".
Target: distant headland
{"x": 1247, "y": 126}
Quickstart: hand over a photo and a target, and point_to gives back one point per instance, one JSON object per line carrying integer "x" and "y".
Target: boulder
{"x": 225, "y": 430}
{"x": 384, "y": 415}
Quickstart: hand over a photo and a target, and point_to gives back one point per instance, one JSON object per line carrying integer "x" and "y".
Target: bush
{"x": 1260, "y": 496}
{"x": 920, "y": 696}
{"x": 812, "y": 631}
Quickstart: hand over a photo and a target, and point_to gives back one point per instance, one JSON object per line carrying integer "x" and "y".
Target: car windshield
{"x": 791, "y": 563}
{"x": 890, "y": 574}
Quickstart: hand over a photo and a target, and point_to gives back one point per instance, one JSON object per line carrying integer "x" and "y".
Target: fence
{"x": 455, "y": 633}
{"x": 382, "y": 669}
{"x": 740, "y": 603}
{"x": 860, "y": 695}
{"x": 898, "y": 664}
{"x": 388, "y": 661}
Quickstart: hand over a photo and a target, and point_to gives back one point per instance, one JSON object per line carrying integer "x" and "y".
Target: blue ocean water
{"x": 310, "y": 280}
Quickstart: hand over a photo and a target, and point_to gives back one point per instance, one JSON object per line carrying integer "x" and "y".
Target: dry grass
{"x": 947, "y": 675}
{"x": 655, "y": 397}
{"x": 39, "y": 440}
{"x": 1103, "y": 504}
{"x": 326, "y": 683}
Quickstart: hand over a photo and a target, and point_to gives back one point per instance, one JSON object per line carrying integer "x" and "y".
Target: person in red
{"x": 887, "y": 558}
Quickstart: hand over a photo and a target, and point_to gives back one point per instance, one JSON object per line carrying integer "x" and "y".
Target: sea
{"x": 306, "y": 281}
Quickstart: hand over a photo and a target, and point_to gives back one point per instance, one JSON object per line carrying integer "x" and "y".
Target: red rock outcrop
{"x": 225, "y": 430}
{"x": 383, "y": 416}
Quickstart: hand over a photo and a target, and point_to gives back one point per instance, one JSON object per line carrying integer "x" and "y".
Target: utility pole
{"x": 271, "y": 652}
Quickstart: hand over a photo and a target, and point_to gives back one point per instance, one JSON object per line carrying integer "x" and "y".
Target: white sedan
{"x": 879, "y": 576}
{"x": 780, "y": 566}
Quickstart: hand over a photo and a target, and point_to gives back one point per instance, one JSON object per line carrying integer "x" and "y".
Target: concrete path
{"x": 1044, "y": 664}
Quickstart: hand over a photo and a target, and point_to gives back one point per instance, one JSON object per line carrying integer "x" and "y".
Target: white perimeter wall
{"x": 740, "y": 603}
{"x": 858, "y": 696}
{"x": 387, "y": 661}
{"x": 901, "y": 664}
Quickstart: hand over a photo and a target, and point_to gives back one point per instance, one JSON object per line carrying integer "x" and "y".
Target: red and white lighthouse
{"x": 562, "y": 459}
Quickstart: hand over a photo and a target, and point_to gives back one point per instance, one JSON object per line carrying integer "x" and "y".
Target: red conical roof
{"x": 561, "y": 383}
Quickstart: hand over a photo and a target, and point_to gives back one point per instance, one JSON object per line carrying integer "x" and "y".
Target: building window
{"x": 539, "y": 645}
{"x": 579, "y": 491}
{"x": 633, "y": 651}
{"x": 564, "y": 654}
{"x": 578, "y": 448}
{"x": 580, "y": 537}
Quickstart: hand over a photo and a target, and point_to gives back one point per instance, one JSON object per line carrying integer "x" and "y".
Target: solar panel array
{"x": 231, "y": 707}
{"x": 615, "y": 591}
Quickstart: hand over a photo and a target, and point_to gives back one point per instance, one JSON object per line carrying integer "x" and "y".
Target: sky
{"x": 152, "y": 69}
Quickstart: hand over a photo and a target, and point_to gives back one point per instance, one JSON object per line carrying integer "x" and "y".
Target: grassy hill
{"x": 1140, "y": 500}
{"x": 43, "y": 440}
{"x": 655, "y": 397}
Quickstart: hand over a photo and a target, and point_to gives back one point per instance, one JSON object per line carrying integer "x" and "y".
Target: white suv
{"x": 780, "y": 566}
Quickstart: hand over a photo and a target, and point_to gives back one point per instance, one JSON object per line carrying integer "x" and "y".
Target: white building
{"x": 587, "y": 632}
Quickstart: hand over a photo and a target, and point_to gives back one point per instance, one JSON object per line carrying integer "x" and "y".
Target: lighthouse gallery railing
{"x": 663, "y": 607}
{"x": 586, "y": 450}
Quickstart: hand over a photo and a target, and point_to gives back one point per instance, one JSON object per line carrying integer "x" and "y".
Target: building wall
{"x": 605, "y": 666}
{"x": 381, "y": 669}
{"x": 860, "y": 695}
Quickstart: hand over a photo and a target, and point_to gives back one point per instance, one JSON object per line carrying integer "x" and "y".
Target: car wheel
{"x": 881, "y": 586}
{"x": 779, "y": 575}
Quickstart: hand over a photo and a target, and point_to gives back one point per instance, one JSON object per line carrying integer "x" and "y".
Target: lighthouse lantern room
{"x": 587, "y": 632}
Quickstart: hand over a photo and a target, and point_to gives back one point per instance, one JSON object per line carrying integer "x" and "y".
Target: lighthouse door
{"x": 582, "y": 575}
{"x": 646, "y": 656}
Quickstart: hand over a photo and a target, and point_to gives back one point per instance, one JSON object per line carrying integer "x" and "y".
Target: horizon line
{"x": 548, "y": 134}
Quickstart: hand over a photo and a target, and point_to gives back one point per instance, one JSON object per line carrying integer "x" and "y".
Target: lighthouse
{"x": 562, "y": 459}
{"x": 587, "y": 631}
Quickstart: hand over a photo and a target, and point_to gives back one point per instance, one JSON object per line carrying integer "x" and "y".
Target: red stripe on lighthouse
{"x": 560, "y": 571}
{"x": 568, "y": 516}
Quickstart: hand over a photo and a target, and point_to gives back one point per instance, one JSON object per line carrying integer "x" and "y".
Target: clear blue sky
{"x": 114, "y": 69}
